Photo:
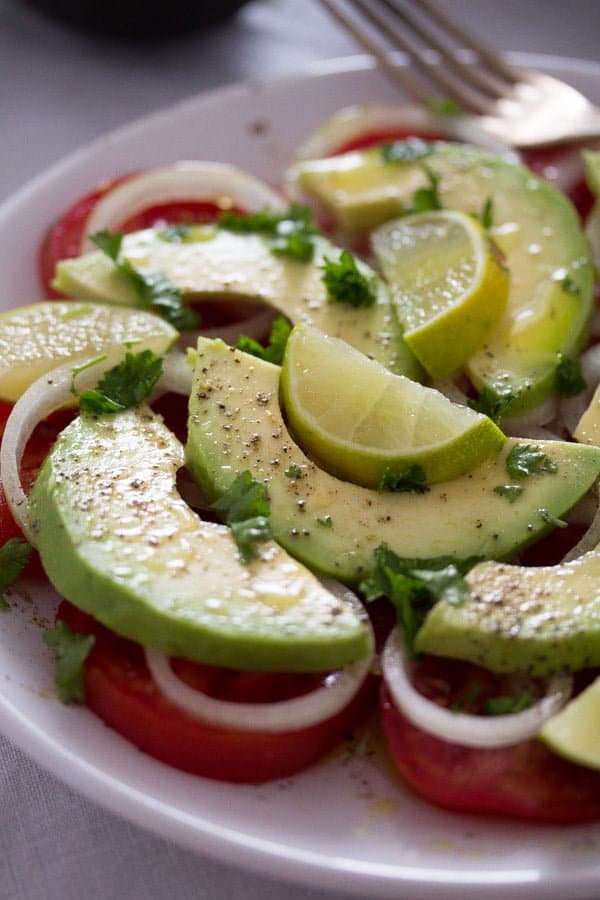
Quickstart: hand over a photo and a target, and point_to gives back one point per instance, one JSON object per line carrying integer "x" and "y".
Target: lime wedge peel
{"x": 449, "y": 284}
{"x": 574, "y": 732}
{"x": 361, "y": 422}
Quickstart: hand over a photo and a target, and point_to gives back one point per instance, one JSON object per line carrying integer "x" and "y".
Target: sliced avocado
{"x": 236, "y": 423}
{"x": 118, "y": 541}
{"x": 519, "y": 619}
{"x": 536, "y": 228}
{"x": 225, "y": 265}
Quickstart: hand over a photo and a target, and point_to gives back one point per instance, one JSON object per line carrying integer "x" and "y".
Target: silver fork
{"x": 520, "y": 107}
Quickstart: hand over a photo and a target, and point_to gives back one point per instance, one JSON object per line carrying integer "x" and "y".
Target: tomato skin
{"x": 120, "y": 690}
{"x": 525, "y": 781}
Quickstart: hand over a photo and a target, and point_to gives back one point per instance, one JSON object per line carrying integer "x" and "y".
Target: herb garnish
{"x": 529, "y": 459}
{"x": 293, "y": 471}
{"x": 345, "y": 283}
{"x": 125, "y": 385}
{"x": 428, "y": 198}
{"x": 405, "y": 151}
{"x": 569, "y": 285}
{"x": 491, "y": 403}
{"x": 153, "y": 290}
{"x": 568, "y": 378}
{"x": 273, "y": 352}
{"x": 551, "y": 519}
{"x": 325, "y": 521}
{"x": 502, "y": 706}
{"x": 290, "y": 234}
{"x": 14, "y": 554}
{"x": 245, "y": 508}
{"x": 412, "y": 481}
{"x": 487, "y": 214}
{"x": 510, "y": 492}
{"x": 70, "y": 652}
{"x": 414, "y": 585}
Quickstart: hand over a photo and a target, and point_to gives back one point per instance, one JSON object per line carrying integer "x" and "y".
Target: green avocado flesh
{"x": 224, "y": 265}
{"x": 334, "y": 526}
{"x": 536, "y": 228}
{"x": 517, "y": 619}
{"x": 117, "y": 540}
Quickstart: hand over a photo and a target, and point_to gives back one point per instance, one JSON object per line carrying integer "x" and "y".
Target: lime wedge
{"x": 574, "y": 732}
{"x": 37, "y": 338}
{"x": 591, "y": 159}
{"x": 363, "y": 423}
{"x": 448, "y": 282}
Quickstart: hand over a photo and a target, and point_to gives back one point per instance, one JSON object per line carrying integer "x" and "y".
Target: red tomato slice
{"x": 523, "y": 781}
{"x": 120, "y": 690}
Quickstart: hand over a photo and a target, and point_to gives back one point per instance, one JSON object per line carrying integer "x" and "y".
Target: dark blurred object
{"x": 138, "y": 19}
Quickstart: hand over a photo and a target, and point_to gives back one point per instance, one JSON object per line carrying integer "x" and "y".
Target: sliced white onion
{"x": 461, "y": 728}
{"x": 452, "y": 391}
{"x": 187, "y": 181}
{"x": 278, "y": 717}
{"x": 518, "y": 426}
{"x": 177, "y": 374}
{"x": 254, "y": 326}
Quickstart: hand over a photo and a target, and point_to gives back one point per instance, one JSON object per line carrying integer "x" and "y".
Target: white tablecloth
{"x": 58, "y": 90}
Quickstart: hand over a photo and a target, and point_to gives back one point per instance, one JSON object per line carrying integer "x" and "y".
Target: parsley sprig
{"x": 153, "y": 290}
{"x": 14, "y": 554}
{"x": 414, "y": 585}
{"x": 274, "y": 350}
{"x": 70, "y": 649}
{"x": 289, "y": 234}
{"x": 345, "y": 283}
{"x": 125, "y": 385}
{"x": 245, "y": 508}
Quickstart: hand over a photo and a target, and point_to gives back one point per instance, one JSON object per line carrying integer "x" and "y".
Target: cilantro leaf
{"x": 491, "y": 403}
{"x": 245, "y": 508}
{"x": 529, "y": 459}
{"x": 325, "y": 521}
{"x": 125, "y": 385}
{"x": 14, "y": 554}
{"x": 154, "y": 291}
{"x": 273, "y": 352}
{"x": 510, "y": 492}
{"x": 426, "y": 199}
{"x": 413, "y": 480}
{"x": 505, "y": 705}
{"x": 551, "y": 519}
{"x": 345, "y": 283}
{"x": 568, "y": 378}
{"x": 414, "y": 585}
{"x": 293, "y": 471}
{"x": 289, "y": 234}
{"x": 405, "y": 151}
{"x": 487, "y": 214}
{"x": 70, "y": 652}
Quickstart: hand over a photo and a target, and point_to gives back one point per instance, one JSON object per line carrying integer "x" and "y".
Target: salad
{"x": 273, "y": 711}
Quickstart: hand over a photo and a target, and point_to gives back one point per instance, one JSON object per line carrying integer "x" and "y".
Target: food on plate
{"x": 196, "y": 511}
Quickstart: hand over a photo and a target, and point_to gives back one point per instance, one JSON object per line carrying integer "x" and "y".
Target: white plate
{"x": 347, "y": 823}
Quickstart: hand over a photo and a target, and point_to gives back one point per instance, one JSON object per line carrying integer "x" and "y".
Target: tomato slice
{"x": 120, "y": 690}
{"x": 523, "y": 781}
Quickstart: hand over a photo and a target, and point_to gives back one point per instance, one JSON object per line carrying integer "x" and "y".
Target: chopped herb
{"x": 245, "y": 508}
{"x": 70, "y": 652}
{"x": 487, "y": 214}
{"x": 125, "y": 385}
{"x": 290, "y": 234}
{"x": 325, "y": 521}
{"x": 405, "y": 151}
{"x": 551, "y": 519}
{"x": 502, "y": 706}
{"x": 529, "y": 459}
{"x": 510, "y": 492}
{"x": 273, "y": 352}
{"x": 569, "y": 285}
{"x": 14, "y": 554}
{"x": 568, "y": 378}
{"x": 154, "y": 291}
{"x": 491, "y": 403}
{"x": 293, "y": 471}
{"x": 345, "y": 282}
{"x": 427, "y": 198}
{"x": 411, "y": 481}
{"x": 414, "y": 585}
{"x": 444, "y": 106}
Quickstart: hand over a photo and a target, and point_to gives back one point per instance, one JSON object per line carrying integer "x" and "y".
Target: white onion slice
{"x": 254, "y": 326}
{"x": 519, "y": 425}
{"x": 278, "y": 717}
{"x": 186, "y": 180}
{"x": 461, "y": 728}
{"x": 177, "y": 375}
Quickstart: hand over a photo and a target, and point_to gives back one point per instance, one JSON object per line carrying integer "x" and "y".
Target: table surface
{"x": 59, "y": 89}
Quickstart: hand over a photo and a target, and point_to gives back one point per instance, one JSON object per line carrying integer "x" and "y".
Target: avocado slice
{"x": 522, "y": 619}
{"x": 536, "y": 228}
{"x": 236, "y": 423}
{"x": 221, "y": 265}
{"x": 117, "y": 540}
